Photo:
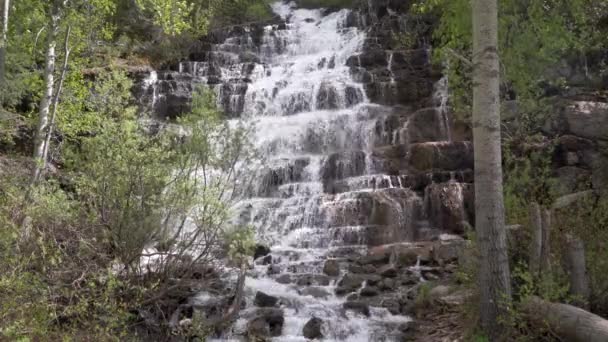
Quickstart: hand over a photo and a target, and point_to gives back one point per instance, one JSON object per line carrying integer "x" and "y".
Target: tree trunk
{"x": 49, "y": 134}
{"x": 4, "y": 43}
{"x": 49, "y": 85}
{"x": 495, "y": 289}
{"x": 536, "y": 241}
{"x": 570, "y": 323}
{"x": 577, "y": 269}
{"x": 545, "y": 258}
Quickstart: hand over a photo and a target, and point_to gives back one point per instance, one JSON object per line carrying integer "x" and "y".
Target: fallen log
{"x": 566, "y": 321}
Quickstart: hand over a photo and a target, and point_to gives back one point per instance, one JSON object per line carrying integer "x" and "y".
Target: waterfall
{"x": 335, "y": 175}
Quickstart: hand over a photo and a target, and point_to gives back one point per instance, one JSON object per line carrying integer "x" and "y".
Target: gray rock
{"x": 284, "y": 279}
{"x": 260, "y": 251}
{"x": 331, "y": 268}
{"x": 313, "y": 328}
{"x": 263, "y": 300}
{"x": 369, "y": 291}
{"x": 266, "y": 323}
{"x": 358, "y": 307}
{"x": 389, "y": 271}
{"x": 315, "y": 291}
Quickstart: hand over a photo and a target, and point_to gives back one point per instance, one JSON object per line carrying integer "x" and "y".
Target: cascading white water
{"x": 314, "y": 126}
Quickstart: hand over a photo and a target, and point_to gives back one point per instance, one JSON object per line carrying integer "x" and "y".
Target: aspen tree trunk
{"x": 494, "y": 278}
{"x": 47, "y": 139}
{"x": 4, "y": 41}
{"x": 536, "y": 241}
{"x": 545, "y": 257}
{"x": 49, "y": 86}
{"x": 577, "y": 270}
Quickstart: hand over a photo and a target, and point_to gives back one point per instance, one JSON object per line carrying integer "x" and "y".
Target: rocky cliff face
{"x": 358, "y": 152}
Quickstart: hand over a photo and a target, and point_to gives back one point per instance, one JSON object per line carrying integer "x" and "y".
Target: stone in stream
{"x": 284, "y": 279}
{"x": 267, "y": 322}
{"x": 267, "y": 260}
{"x": 369, "y": 291}
{"x": 331, "y": 268}
{"x": 313, "y": 328}
{"x": 315, "y": 291}
{"x": 358, "y": 307}
{"x": 264, "y": 300}
{"x": 260, "y": 251}
{"x": 389, "y": 271}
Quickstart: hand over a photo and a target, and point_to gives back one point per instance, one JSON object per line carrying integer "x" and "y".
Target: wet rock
{"x": 317, "y": 292}
{"x": 312, "y": 279}
{"x": 273, "y": 269}
{"x": 284, "y": 279}
{"x": 353, "y": 96}
{"x": 387, "y": 284}
{"x": 260, "y": 251}
{"x": 448, "y": 249}
{"x": 313, "y": 328}
{"x": 356, "y": 269}
{"x": 374, "y": 259}
{"x": 392, "y": 306}
{"x": 331, "y": 268}
{"x": 263, "y": 300}
{"x": 369, "y": 291}
{"x": 267, "y": 322}
{"x": 327, "y": 97}
{"x": 389, "y": 271}
{"x": 351, "y": 281}
{"x": 451, "y": 156}
{"x": 358, "y": 307}
{"x": 428, "y": 124}
{"x": 450, "y": 206}
{"x": 353, "y": 297}
{"x": 267, "y": 260}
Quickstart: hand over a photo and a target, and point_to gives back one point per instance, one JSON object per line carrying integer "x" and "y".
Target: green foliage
{"x": 241, "y": 243}
{"x": 535, "y": 38}
{"x": 175, "y": 16}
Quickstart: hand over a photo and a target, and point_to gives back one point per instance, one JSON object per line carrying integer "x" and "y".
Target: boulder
{"x": 445, "y": 155}
{"x": 313, "y": 328}
{"x": 588, "y": 119}
{"x": 351, "y": 281}
{"x": 267, "y": 260}
{"x": 358, "y": 307}
{"x": 449, "y": 248}
{"x": 266, "y": 323}
{"x": 260, "y": 251}
{"x": 389, "y": 271}
{"x": 263, "y": 300}
{"x": 331, "y": 268}
{"x": 284, "y": 279}
{"x": 369, "y": 291}
{"x": 315, "y": 291}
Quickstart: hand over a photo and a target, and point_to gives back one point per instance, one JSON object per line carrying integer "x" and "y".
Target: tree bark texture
{"x": 577, "y": 270}
{"x": 494, "y": 282}
{"x": 536, "y": 240}
{"x": 4, "y": 41}
{"x": 49, "y": 86}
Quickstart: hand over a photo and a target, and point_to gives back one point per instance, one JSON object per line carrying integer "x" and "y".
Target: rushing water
{"x": 329, "y": 185}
